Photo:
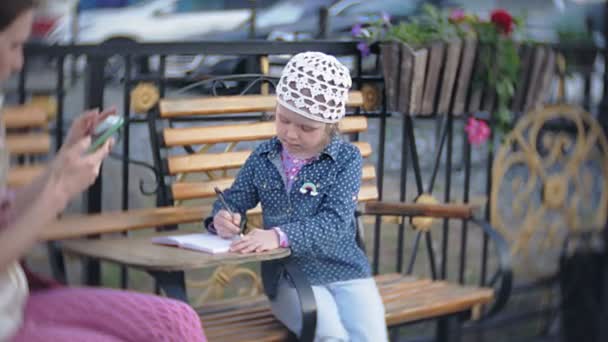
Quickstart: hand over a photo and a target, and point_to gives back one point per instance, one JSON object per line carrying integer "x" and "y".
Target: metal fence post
{"x": 323, "y": 22}
{"x": 94, "y": 88}
{"x": 603, "y": 113}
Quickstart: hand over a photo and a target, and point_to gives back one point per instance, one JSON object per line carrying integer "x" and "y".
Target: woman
{"x": 61, "y": 313}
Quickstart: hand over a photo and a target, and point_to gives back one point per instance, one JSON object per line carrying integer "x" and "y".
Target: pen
{"x": 220, "y": 196}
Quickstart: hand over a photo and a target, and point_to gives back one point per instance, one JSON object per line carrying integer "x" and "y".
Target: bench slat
{"x": 240, "y": 322}
{"x": 207, "y": 162}
{"x": 364, "y": 147}
{"x": 74, "y": 226}
{"x": 170, "y": 108}
{"x": 369, "y": 172}
{"x": 273, "y": 331}
{"x": 366, "y": 193}
{"x": 193, "y": 190}
{"x": 227, "y": 160}
{"x": 29, "y": 143}
{"x": 435, "y": 303}
{"x": 406, "y": 299}
{"x": 19, "y": 176}
{"x": 242, "y": 132}
{"x": 26, "y": 116}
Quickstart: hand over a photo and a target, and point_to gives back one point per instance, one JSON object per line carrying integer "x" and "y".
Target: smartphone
{"x": 105, "y": 130}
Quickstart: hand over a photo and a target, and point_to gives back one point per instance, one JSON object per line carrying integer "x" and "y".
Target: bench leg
{"x": 449, "y": 329}
{"x": 172, "y": 283}
{"x": 91, "y": 272}
{"x": 393, "y": 334}
{"x": 57, "y": 262}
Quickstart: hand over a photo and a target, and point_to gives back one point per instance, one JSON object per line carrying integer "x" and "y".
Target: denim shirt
{"x": 320, "y": 228}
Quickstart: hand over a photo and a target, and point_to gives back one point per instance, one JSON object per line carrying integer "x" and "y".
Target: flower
{"x": 386, "y": 18}
{"x": 357, "y": 30}
{"x": 498, "y": 61}
{"x": 363, "y": 48}
{"x": 478, "y": 131}
{"x": 457, "y": 15}
{"x": 503, "y": 20}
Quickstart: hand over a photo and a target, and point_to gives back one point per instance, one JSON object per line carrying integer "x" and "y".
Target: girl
{"x": 51, "y": 312}
{"x": 307, "y": 180}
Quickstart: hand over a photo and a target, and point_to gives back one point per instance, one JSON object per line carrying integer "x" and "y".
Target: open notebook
{"x": 203, "y": 242}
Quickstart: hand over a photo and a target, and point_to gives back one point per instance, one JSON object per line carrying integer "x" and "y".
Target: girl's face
{"x": 302, "y": 137}
{"x": 11, "y": 44}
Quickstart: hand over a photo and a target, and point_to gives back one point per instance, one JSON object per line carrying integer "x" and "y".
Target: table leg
{"x": 172, "y": 283}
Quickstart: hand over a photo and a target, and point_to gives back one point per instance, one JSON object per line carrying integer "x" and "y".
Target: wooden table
{"x": 166, "y": 264}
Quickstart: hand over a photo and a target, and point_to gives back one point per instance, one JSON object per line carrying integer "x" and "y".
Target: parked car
{"x": 280, "y": 12}
{"x": 157, "y": 21}
{"x": 53, "y": 21}
{"x": 293, "y": 20}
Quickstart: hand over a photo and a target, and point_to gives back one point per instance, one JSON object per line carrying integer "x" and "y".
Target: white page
{"x": 205, "y": 242}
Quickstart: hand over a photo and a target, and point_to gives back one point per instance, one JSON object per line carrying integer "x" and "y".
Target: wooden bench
{"x": 194, "y": 151}
{"x": 27, "y": 139}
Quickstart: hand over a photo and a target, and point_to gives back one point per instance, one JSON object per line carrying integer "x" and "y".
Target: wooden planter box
{"x": 438, "y": 79}
{"x": 537, "y": 70}
{"x": 404, "y": 70}
{"x": 421, "y": 81}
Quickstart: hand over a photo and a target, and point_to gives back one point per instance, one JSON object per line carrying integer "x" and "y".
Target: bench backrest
{"x": 28, "y": 139}
{"x": 202, "y": 156}
{"x": 26, "y": 128}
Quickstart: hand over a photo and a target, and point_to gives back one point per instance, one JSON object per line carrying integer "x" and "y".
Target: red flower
{"x": 503, "y": 20}
{"x": 478, "y": 131}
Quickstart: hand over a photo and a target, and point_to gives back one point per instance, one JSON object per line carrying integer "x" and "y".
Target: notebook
{"x": 203, "y": 242}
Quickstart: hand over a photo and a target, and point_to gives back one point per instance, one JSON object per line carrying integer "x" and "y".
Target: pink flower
{"x": 478, "y": 131}
{"x": 356, "y": 30}
{"x": 457, "y": 15}
{"x": 364, "y": 49}
{"x": 386, "y": 18}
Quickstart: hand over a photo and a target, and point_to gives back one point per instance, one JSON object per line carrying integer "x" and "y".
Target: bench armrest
{"x": 75, "y": 226}
{"x": 462, "y": 211}
{"x": 501, "y": 281}
{"x": 307, "y": 299}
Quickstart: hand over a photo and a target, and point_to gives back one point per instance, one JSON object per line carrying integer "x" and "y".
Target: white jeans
{"x": 346, "y": 311}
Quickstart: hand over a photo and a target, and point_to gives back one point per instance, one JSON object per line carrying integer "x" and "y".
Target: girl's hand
{"x": 85, "y": 124}
{"x": 258, "y": 240}
{"x": 225, "y": 225}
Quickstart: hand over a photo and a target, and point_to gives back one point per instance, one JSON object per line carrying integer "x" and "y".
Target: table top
{"x": 139, "y": 252}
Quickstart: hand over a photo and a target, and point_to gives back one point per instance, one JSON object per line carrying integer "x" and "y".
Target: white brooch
{"x": 309, "y": 188}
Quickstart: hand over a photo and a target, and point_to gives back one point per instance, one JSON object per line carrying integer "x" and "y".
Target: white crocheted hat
{"x": 316, "y": 86}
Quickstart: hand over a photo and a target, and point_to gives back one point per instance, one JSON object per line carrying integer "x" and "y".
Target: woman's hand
{"x": 73, "y": 170}
{"x": 258, "y": 240}
{"x": 225, "y": 225}
{"x": 85, "y": 124}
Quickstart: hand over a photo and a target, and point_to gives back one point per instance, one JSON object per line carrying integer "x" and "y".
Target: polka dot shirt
{"x": 317, "y": 213}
